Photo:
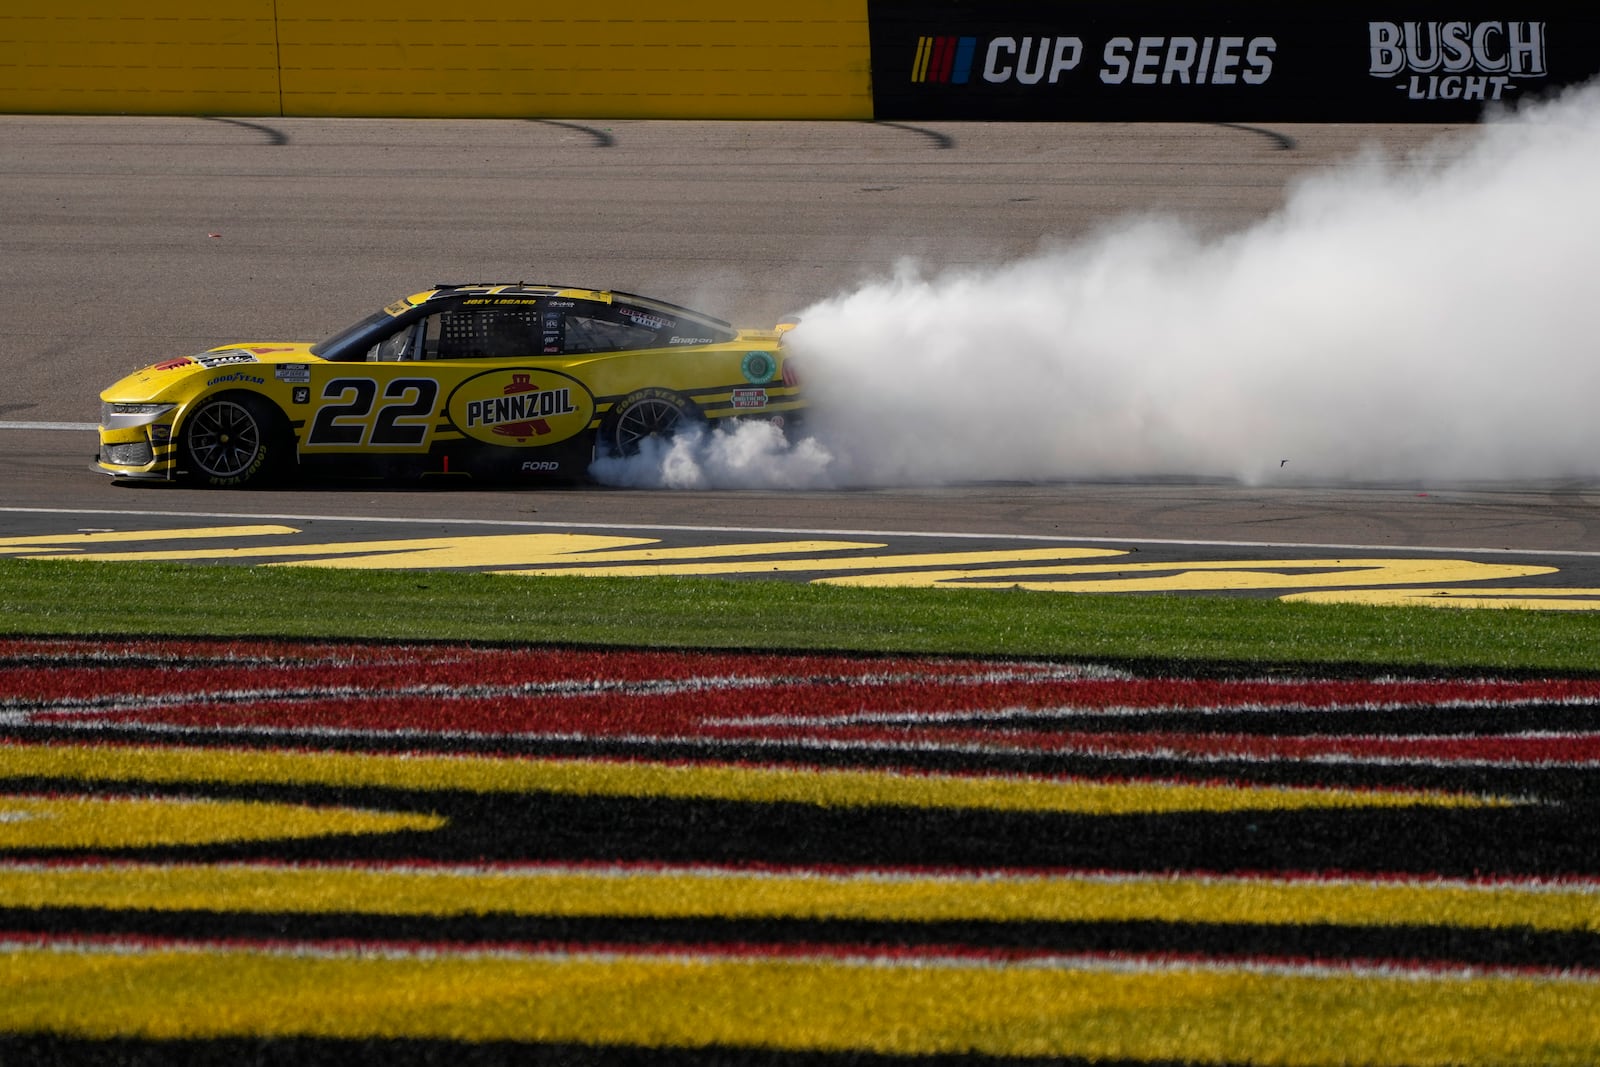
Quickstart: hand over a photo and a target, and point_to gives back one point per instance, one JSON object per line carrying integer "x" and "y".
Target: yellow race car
{"x": 501, "y": 382}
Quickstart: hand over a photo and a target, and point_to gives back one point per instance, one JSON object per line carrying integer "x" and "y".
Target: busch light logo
{"x": 1457, "y": 60}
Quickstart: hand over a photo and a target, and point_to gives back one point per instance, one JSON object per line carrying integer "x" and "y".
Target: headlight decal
{"x": 123, "y": 416}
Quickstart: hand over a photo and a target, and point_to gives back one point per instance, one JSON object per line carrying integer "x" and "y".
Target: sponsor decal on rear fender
{"x": 520, "y": 407}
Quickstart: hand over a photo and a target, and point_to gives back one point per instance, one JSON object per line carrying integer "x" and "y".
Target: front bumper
{"x": 143, "y": 452}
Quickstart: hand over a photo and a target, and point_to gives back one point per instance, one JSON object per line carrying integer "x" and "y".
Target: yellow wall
{"x": 163, "y": 57}
{"x": 627, "y": 59}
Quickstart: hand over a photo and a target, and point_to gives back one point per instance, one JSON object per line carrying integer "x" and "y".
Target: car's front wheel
{"x": 233, "y": 441}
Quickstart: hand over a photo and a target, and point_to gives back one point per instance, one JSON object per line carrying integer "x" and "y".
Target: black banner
{"x": 1170, "y": 62}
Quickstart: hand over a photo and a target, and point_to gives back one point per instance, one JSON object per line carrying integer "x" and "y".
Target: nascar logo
{"x": 944, "y": 60}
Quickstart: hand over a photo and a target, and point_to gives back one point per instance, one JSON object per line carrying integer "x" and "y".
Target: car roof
{"x": 526, "y": 290}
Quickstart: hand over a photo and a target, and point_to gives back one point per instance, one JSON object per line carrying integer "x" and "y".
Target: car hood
{"x": 149, "y": 382}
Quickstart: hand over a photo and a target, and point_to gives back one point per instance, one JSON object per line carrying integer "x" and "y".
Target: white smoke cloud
{"x": 1425, "y": 317}
{"x": 755, "y": 455}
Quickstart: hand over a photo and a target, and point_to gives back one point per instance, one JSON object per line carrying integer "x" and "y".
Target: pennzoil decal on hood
{"x": 225, "y": 358}
{"x": 521, "y": 406}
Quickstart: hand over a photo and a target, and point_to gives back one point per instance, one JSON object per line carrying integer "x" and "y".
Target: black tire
{"x": 233, "y": 440}
{"x": 647, "y": 414}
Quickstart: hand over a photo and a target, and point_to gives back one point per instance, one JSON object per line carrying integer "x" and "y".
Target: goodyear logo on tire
{"x": 521, "y": 407}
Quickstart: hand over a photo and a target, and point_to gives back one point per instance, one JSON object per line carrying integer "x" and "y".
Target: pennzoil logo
{"x": 228, "y": 358}
{"x": 520, "y": 407}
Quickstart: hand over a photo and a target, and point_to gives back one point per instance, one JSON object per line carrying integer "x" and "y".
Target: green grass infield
{"x": 1154, "y": 631}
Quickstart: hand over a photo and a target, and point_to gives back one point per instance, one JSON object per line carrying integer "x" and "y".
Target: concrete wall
{"x": 408, "y": 58}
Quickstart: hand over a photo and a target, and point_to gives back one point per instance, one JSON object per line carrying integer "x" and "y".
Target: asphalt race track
{"x": 129, "y": 240}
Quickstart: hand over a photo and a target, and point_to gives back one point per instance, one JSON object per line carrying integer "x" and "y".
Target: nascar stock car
{"x": 501, "y": 382}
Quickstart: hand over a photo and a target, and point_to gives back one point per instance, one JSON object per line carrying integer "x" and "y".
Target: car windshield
{"x": 356, "y": 338}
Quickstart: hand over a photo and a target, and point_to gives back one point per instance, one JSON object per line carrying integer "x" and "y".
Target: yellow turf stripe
{"x": 828, "y": 788}
{"x": 524, "y": 549}
{"x": 1206, "y": 575}
{"x": 1537, "y": 597}
{"x": 648, "y": 893}
{"x": 79, "y": 541}
{"x": 127, "y": 822}
{"x": 1190, "y": 1013}
{"x": 582, "y": 564}
{"x": 463, "y": 551}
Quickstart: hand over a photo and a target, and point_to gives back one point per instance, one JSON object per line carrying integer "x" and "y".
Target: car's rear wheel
{"x": 648, "y": 414}
{"x": 233, "y": 441}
